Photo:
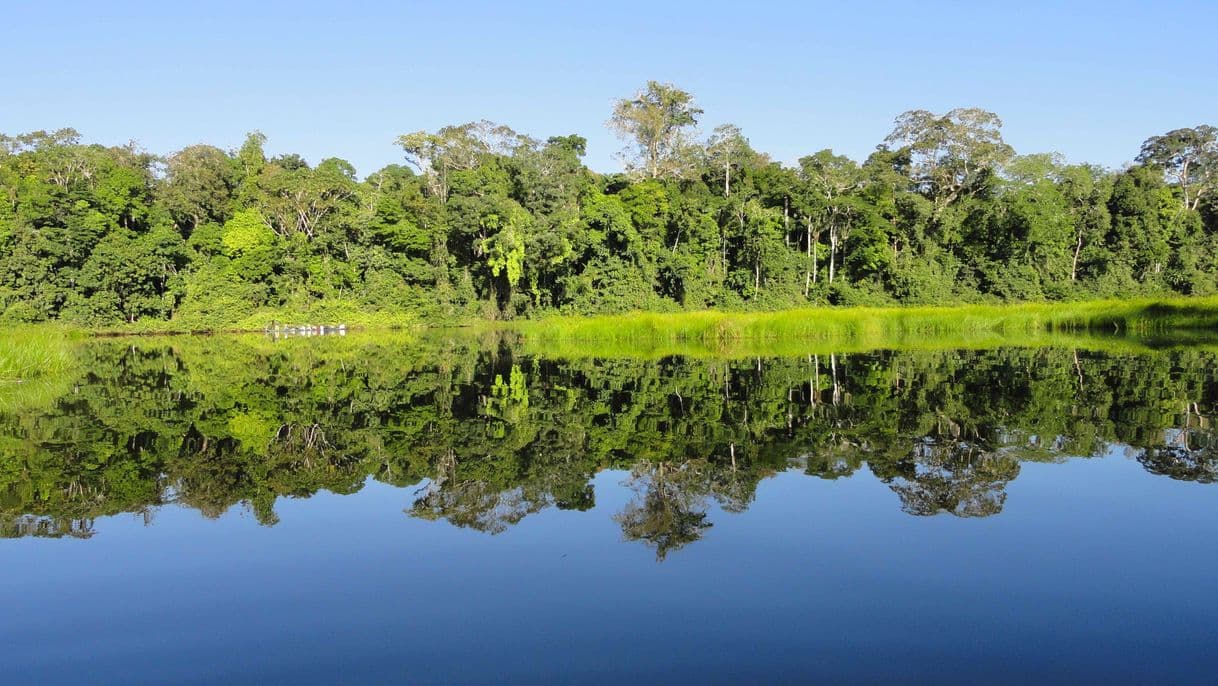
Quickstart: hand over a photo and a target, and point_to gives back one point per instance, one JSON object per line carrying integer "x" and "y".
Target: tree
{"x": 455, "y": 148}
{"x": 1022, "y": 251}
{"x": 762, "y": 240}
{"x": 671, "y": 511}
{"x": 199, "y": 185}
{"x": 504, "y": 248}
{"x": 128, "y": 275}
{"x": 950, "y": 155}
{"x": 656, "y": 119}
{"x": 832, "y": 178}
{"x": 484, "y": 221}
{"x": 1086, "y": 189}
{"x": 1189, "y": 157}
{"x": 246, "y": 233}
{"x": 251, "y": 157}
{"x": 38, "y": 140}
{"x": 301, "y": 200}
{"x": 726, "y": 149}
{"x": 1140, "y": 237}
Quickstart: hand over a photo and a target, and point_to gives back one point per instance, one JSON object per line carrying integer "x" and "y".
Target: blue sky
{"x": 1089, "y": 80}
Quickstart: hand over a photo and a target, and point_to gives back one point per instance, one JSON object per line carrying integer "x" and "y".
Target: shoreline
{"x": 28, "y": 351}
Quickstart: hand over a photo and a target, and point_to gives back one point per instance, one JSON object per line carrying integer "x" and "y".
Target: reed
{"x": 1105, "y": 323}
{"x": 29, "y": 352}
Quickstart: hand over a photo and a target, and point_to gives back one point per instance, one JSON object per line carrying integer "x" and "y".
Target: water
{"x": 457, "y": 509}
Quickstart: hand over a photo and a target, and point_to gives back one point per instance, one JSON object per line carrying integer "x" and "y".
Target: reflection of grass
{"x": 1108, "y": 325}
{"x": 29, "y": 352}
{"x": 35, "y": 394}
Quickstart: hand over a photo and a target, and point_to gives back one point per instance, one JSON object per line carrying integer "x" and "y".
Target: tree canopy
{"x": 484, "y": 222}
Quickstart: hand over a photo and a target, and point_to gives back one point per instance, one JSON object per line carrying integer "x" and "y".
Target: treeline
{"x": 485, "y": 222}
{"x": 486, "y": 436}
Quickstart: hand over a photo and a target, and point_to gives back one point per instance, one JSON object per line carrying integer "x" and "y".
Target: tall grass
{"x": 800, "y": 331}
{"x": 29, "y": 352}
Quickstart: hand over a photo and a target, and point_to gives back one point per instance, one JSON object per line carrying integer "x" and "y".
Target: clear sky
{"x": 1091, "y": 80}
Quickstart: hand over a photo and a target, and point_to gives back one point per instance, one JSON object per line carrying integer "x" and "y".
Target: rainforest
{"x": 481, "y": 222}
{"x": 491, "y": 416}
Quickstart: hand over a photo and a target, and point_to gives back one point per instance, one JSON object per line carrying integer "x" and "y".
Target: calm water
{"x": 240, "y": 510}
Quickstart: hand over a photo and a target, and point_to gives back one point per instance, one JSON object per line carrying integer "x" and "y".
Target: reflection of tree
{"x": 835, "y": 459}
{"x": 732, "y": 489}
{"x": 496, "y": 436}
{"x": 671, "y": 510}
{"x": 952, "y": 477}
{"x": 294, "y": 459}
{"x": 45, "y": 527}
{"x": 1181, "y": 464}
{"x": 476, "y": 505}
{"x": 1188, "y": 454}
{"x": 479, "y": 505}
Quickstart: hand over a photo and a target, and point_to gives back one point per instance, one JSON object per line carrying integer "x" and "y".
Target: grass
{"x": 1104, "y": 323}
{"x": 319, "y": 314}
{"x": 30, "y": 352}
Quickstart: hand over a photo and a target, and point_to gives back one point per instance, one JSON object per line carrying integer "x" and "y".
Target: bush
{"x": 21, "y": 313}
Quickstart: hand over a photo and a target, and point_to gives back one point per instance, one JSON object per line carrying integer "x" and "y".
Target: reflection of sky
{"x": 1094, "y": 571}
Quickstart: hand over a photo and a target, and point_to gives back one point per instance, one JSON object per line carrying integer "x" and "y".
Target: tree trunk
{"x": 832, "y": 252}
{"x": 1078, "y": 368}
{"x": 808, "y": 252}
{"x": 815, "y": 378}
{"x": 1184, "y": 184}
{"x": 1078, "y": 247}
{"x": 815, "y": 257}
{"x": 837, "y": 389}
{"x": 723, "y": 251}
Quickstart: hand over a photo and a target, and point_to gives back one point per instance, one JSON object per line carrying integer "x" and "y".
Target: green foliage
{"x": 505, "y": 249}
{"x": 246, "y": 234}
{"x": 489, "y": 223}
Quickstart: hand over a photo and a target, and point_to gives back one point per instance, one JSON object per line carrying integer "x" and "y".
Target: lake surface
{"x": 456, "y": 508}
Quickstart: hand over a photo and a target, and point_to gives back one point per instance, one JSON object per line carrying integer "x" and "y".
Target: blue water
{"x": 1095, "y": 571}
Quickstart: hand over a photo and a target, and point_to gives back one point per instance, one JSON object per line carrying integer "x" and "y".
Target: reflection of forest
{"x": 488, "y": 437}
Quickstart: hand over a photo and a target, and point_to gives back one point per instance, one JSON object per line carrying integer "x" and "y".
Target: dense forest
{"x": 482, "y": 221}
{"x": 488, "y": 435}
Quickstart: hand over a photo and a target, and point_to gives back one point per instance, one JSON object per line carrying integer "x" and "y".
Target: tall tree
{"x": 833, "y": 178}
{"x": 199, "y": 185}
{"x": 456, "y": 148}
{"x": 726, "y": 149}
{"x": 950, "y": 155}
{"x": 1189, "y": 157}
{"x": 657, "y": 120}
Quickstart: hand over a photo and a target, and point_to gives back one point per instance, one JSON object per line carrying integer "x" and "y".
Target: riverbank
{"x": 30, "y": 351}
{"x": 846, "y": 329}
{"x": 323, "y": 314}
